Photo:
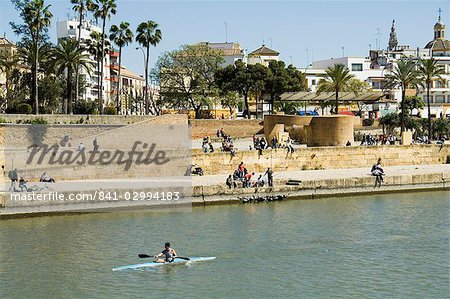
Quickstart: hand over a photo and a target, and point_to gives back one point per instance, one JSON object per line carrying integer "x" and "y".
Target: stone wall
{"x": 323, "y": 158}
{"x": 235, "y": 128}
{"x": 330, "y": 130}
{"x": 87, "y": 119}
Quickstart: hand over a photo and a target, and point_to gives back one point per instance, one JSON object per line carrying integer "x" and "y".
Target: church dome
{"x": 438, "y": 45}
{"x": 439, "y": 25}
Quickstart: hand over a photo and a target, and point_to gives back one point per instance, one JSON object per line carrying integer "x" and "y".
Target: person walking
{"x": 269, "y": 174}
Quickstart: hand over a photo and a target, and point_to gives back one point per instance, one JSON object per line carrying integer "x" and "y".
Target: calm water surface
{"x": 387, "y": 246}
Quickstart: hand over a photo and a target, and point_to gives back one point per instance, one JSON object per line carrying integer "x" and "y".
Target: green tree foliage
{"x": 121, "y": 35}
{"x": 243, "y": 79}
{"x": 441, "y": 127}
{"x": 148, "y": 34}
{"x": 404, "y": 75}
{"x": 358, "y": 87}
{"x": 67, "y": 57}
{"x": 36, "y": 17}
{"x": 428, "y": 71}
{"x": 389, "y": 122}
{"x": 282, "y": 79}
{"x": 8, "y": 63}
{"x": 187, "y": 77}
{"x": 336, "y": 80}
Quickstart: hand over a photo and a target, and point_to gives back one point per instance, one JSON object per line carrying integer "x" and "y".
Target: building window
{"x": 357, "y": 67}
{"x": 439, "y": 99}
{"x": 448, "y": 99}
{"x": 438, "y": 84}
{"x": 313, "y": 82}
{"x": 71, "y": 27}
{"x": 431, "y": 99}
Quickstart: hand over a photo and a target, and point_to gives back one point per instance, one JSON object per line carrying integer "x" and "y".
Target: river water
{"x": 386, "y": 246}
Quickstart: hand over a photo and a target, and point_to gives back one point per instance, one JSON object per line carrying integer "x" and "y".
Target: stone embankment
{"x": 326, "y": 183}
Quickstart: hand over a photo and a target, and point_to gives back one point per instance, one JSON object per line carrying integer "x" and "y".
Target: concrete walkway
{"x": 311, "y": 175}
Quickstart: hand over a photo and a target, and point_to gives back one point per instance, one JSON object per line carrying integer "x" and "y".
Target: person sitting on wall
{"x": 230, "y": 182}
{"x": 197, "y": 170}
{"x": 348, "y": 143}
{"x": 46, "y": 179}
{"x": 23, "y": 184}
{"x": 378, "y": 172}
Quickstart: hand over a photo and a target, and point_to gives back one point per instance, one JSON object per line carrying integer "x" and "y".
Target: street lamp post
{"x": 145, "y": 87}
{"x": 306, "y": 83}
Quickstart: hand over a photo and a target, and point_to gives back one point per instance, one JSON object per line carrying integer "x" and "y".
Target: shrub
{"x": 24, "y": 108}
{"x": 367, "y": 122}
{"x": 110, "y": 110}
{"x": 35, "y": 121}
{"x": 4, "y": 121}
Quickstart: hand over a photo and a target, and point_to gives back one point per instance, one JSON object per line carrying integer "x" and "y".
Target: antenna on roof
{"x": 270, "y": 39}
{"x": 439, "y": 11}
{"x": 226, "y": 32}
{"x": 263, "y": 41}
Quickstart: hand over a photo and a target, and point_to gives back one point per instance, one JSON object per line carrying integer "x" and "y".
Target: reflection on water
{"x": 377, "y": 247}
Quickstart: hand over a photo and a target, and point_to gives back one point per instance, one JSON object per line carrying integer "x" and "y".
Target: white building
{"x": 262, "y": 55}
{"x": 231, "y": 52}
{"x": 69, "y": 29}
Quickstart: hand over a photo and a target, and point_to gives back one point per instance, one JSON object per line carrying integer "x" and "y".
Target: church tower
{"x": 392, "y": 38}
{"x": 439, "y": 45}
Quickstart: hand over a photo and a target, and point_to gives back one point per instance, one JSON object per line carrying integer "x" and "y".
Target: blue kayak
{"x": 176, "y": 261}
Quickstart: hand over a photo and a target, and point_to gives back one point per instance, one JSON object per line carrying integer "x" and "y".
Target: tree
{"x": 67, "y": 58}
{"x": 281, "y": 79}
{"x": 94, "y": 47}
{"x": 36, "y": 17}
{"x": 358, "y": 87}
{"x": 389, "y": 122}
{"x": 121, "y": 35}
{"x": 187, "y": 76}
{"x": 404, "y": 75}
{"x": 337, "y": 79}
{"x": 8, "y": 62}
{"x": 148, "y": 34}
{"x": 104, "y": 9}
{"x": 243, "y": 79}
{"x": 230, "y": 100}
{"x": 429, "y": 70}
{"x": 81, "y": 7}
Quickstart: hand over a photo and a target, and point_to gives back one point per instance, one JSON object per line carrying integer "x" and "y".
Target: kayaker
{"x": 168, "y": 253}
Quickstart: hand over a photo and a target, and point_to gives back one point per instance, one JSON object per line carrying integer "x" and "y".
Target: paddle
{"x": 143, "y": 256}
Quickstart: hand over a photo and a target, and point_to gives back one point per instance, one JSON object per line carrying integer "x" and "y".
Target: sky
{"x": 301, "y": 31}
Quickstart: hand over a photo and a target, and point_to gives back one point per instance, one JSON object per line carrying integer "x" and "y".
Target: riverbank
{"x": 210, "y": 190}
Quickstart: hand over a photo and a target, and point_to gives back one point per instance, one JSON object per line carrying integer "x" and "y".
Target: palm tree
{"x": 337, "y": 79}
{"x": 104, "y": 10}
{"x": 428, "y": 71}
{"x": 148, "y": 34}
{"x": 37, "y": 16}
{"x": 404, "y": 75}
{"x": 67, "y": 58}
{"x": 81, "y": 7}
{"x": 121, "y": 36}
{"x": 8, "y": 62}
{"x": 95, "y": 49}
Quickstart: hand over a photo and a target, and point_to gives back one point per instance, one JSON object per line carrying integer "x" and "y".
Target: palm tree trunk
{"x": 147, "y": 101}
{"x": 402, "y": 119}
{"x": 69, "y": 91}
{"x": 247, "y": 107}
{"x": 35, "y": 78}
{"x": 79, "y": 41}
{"x": 98, "y": 82}
{"x": 337, "y": 102}
{"x": 119, "y": 106}
{"x": 102, "y": 67}
{"x": 429, "y": 111}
